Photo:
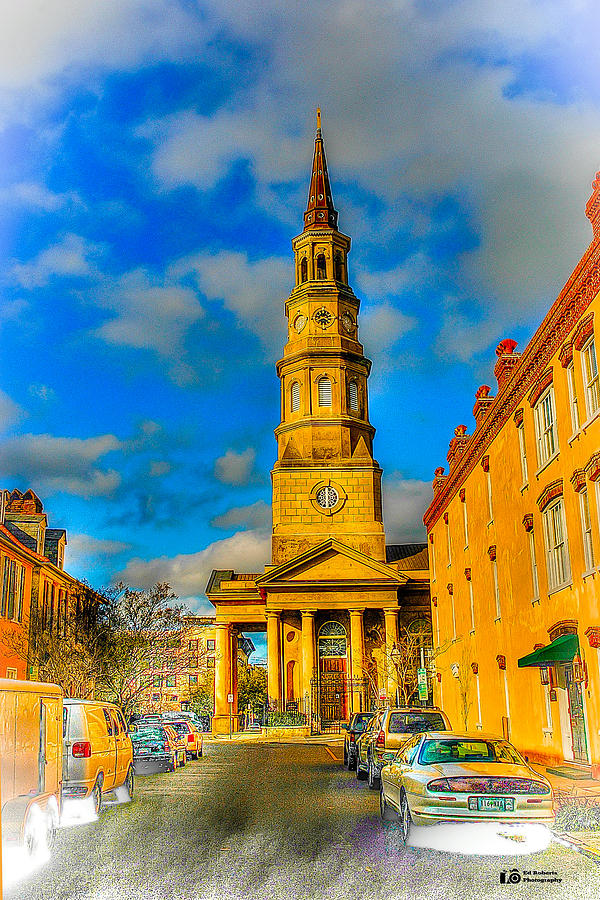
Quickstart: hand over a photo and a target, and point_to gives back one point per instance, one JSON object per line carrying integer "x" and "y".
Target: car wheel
{"x": 35, "y": 833}
{"x": 130, "y": 783}
{"x": 350, "y": 764}
{"x": 360, "y": 773}
{"x": 199, "y": 752}
{"x": 174, "y": 762}
{"x": 405, "y": 817}
{"x": 182, "y": 759}
{"x": 372, "y": 776}
{"x": 387, "y": 813}
{"x": 96, "y": 796}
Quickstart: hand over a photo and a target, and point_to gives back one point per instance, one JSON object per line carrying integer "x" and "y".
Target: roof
{"x": 412, "y": 556}
{"x": 216, "y": 577}
{"x": 23, "y": 538}
{"x": 55, "y": 534}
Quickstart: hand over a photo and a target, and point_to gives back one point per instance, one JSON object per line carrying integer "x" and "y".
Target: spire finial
{"x": 320, "y": 212}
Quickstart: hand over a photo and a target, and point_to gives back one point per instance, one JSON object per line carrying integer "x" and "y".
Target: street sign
{"x": 422, "y": 683}
{"x": 230, "y": 698}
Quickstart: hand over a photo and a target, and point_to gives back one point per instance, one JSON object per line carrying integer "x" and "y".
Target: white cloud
{"x": 10, "y": 412}
{"x": 32, "y": 195}
{"x": 151, "y": 314}
{"x": 404, "y": 503}
{"x": 381, "y": 327}
{"x": 51, "y": 464}
{"x": 235, "y": 468}
{"x": 71, "y": 257}
{"x": 188, "y": 574}
{"x": 255, "y": 515}
{"x": 83, "y": 549}
{"x": 254, "y": 291}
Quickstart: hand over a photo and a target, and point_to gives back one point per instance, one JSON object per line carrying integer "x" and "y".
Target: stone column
{"x": 273, "y": 656}
{"x": 234, "y": 686}
{"x": 222, "y": 678}
{"x": 308, "y": 651}
{"x": 357, "y": 672}
{"x": 391, "y": 638}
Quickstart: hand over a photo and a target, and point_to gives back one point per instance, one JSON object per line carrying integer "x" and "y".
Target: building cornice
{"x": 563, "y": 315}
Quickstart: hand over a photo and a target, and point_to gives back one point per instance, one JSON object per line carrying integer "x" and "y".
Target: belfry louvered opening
{"x": 295, "y": 396}
{"x": 324, "y": 391}
{"x": 353, "y": 395}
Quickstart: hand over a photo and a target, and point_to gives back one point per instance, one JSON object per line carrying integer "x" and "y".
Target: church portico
{"x": 332, "y": 596}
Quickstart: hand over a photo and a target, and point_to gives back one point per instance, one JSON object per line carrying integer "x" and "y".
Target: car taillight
{"x": 380, "y": 742}
{"x": 440, "y": 785}
{"x": 352, "y": 738}
{"x": 190, "y": 738}
{"x": 166, "y": 746}
{"x": 82, "y": 749}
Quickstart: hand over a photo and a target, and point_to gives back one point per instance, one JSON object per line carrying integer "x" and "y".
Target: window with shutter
{"x": 295, "y": 396}
{"x": 353, "y": 395}
{"x": 324, "y": 392}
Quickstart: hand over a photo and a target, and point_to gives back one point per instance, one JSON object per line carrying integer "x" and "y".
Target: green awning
{"x": 562, "y": 649}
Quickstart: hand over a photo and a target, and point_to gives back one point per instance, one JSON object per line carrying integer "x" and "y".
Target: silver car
{"x": 444, "y": 776}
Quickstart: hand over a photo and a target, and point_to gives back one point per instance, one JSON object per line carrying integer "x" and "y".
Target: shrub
{"x": 578, "y": 814}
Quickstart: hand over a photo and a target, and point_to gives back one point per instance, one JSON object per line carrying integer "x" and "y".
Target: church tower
{"x": 325, "y": 481}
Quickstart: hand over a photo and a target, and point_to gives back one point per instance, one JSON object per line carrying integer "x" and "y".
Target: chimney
{"x": 458, "y": 445}
{"x": 439, "y": 479}
{"x": 482, "y": 403}
{"x": 508, "y": 360}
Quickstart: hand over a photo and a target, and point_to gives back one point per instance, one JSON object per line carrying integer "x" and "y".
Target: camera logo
{"x": 512, "y": 877}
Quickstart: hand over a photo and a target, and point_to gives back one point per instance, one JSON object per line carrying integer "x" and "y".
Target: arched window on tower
{"x": 339, "y": 267}
{"x": 295, "y": 396}
{"x": 321, "y": 267}
{"x": 303, "y": 270}
{"x": 324, "y": 384}
{"x": 353, "y": 395}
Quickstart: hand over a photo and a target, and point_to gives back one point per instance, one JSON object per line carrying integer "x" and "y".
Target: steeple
{"x": 320, "y": 211}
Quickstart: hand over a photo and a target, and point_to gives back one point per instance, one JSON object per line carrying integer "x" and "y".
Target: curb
{"x": 578, "y": 844}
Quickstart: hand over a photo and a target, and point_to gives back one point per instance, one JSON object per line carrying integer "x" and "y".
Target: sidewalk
{"x": 584, "y": 791}
{"x": 261, "y": 737}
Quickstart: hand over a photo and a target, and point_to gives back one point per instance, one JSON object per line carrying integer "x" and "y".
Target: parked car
{"x": 387, "y": 731}
{"x": 154, "y": 742}
{"x": 178, "y": 742}
{"x": 97, "y": 751}
{"x": 31, "y": 754}
{"x": 190, "y": 734}
{"x": 450, "y": 777}
{"x": 355, "y": 727}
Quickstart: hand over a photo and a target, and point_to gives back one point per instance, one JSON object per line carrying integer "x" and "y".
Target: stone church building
{"x": 334, "y": 596}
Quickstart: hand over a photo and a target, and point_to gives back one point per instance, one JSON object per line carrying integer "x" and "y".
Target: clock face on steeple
{"x": 327, "y": 497}
{"x": 323, "y": 317}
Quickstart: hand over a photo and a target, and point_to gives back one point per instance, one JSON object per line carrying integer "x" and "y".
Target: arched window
{"x": 339, "y": 267}
{"x": 324, "y": 391}
{"x": 295, "y": 396}
{"x": 321, "y": 268}
{"x": 303, "y": 271}
{"x": 353, "y": 395}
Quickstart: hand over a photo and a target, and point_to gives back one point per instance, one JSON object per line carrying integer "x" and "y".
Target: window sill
{"x": 591, "y": 419}
{"x": 498, "y": 619}
{"x": 574, "y": 437}
{"x": 479, "y": 726}
{"x": 472, "y": 631}
{"x": 535, "y": 601}
{"x": 491, "y": 522}
{"x": 524, "y": 487}
{"x": 589, "y": 574}
{"x": 560, "y": 587}
{"x": 547, "y": 463}
{"x": 466, "y": 547}
{"x": 547, "y": 732}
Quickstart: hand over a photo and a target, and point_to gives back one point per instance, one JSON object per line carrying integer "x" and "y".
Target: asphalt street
{"x": 271, "y": 821}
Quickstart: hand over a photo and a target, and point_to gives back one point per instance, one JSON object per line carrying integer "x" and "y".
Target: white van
{"x": 97, "y": 751}
{"x": 30, "y": 761}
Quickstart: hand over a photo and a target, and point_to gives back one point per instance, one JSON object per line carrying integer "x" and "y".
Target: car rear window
{"x": 457, "y": 751}
{"x": 360, "y": 722}
{"x": 181, "y": 727}
{"x": 414, "y": 722}
{"x": 142, "y": 734}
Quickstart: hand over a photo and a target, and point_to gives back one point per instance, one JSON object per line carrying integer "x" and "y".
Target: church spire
{"x": 320, "y": 212}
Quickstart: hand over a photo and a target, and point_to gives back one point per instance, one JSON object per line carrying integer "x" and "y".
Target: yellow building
{"x": 514, "y": 532}
{"x": 185, "y": 663}
{"x": 331, "y": 597}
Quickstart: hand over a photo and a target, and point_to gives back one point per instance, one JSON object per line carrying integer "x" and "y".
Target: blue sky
{"x": 154, "y": 164}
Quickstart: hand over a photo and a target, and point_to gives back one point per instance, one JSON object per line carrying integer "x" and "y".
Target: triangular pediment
{"x": 335, "y": 563}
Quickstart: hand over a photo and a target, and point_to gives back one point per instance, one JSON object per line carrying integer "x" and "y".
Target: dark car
{"x": 356, "y": 726}
{"x": 153, "y": 743}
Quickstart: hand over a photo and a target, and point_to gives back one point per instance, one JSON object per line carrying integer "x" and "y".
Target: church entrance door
{"x": 333, "y": 658}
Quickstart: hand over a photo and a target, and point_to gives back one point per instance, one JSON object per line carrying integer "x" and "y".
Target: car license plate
{"x": 492, "y": 804}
